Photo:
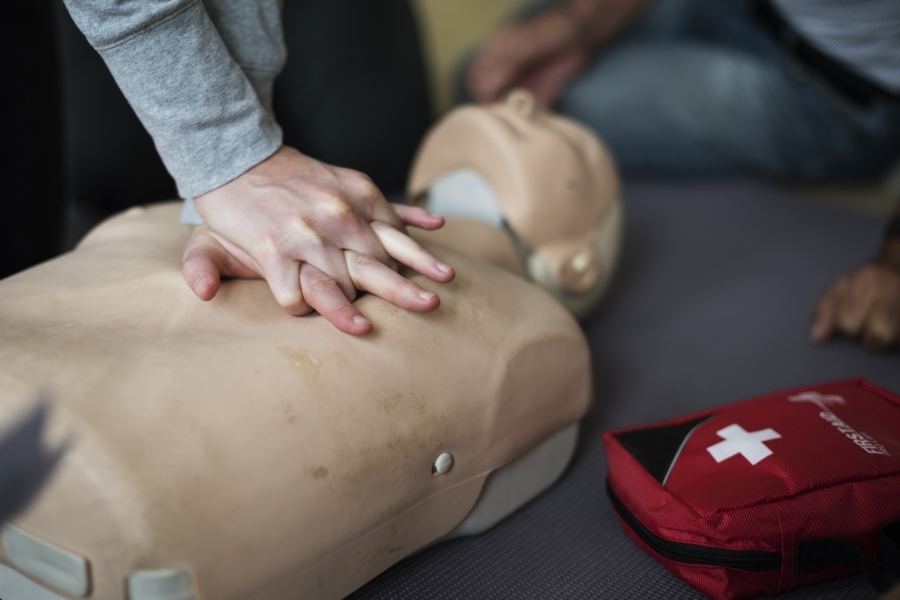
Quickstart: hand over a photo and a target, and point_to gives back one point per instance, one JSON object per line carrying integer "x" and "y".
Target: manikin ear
{"x": 579, "y": 279}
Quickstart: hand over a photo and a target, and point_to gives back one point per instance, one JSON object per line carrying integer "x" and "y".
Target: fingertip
{"x": 292, "y": 304}
{"x": 820, "y": 332}
{"x": 417, "y": 216}
{"x": 447, "y": 274}
{"x": 356, "y": 325}
{"x": 290, "y": 299}
{"x": 429, "y": 301}
{"x": 297, "y": 310}
{"x": 205, "y": 288}
{"x": 201, "y": 276}
{"x": 434, "y": 222}
{"x": 361, "y": 325}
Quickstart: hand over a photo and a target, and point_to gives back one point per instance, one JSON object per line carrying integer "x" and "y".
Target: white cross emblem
{"x": 749, "y": 444}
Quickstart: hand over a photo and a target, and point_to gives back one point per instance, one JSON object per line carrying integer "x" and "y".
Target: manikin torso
{"x": 265, "y": 455}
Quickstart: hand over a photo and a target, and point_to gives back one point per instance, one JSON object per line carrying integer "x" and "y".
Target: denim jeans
{"x": 700, "y": 88}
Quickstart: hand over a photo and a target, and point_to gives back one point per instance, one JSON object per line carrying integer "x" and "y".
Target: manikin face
{"x": 545, "y": 177}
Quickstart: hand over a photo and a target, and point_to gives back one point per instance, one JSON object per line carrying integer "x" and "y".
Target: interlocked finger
{"x": 384, "y": 211}
{"x": 358, "y": 185}
{"x": 322, "y": 293}
{"x": 330, "y": 261}
{"x": 418, "y": 217}
{"x": 370, "y": 275}
{"x": 283, "y": 277}
{"x": 405, "y": 250}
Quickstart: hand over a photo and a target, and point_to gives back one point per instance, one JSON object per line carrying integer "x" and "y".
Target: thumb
{"x": 199, "y": 269}
{"x": 206, "y": 260}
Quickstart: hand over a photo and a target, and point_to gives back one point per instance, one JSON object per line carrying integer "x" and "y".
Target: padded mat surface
{"x": 711, "y": 305}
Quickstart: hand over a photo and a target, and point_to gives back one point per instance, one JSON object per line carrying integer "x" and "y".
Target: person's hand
{"x": 864, "y": 303}
{"x": 291, "y": 210}
{"x": 208, "y": 258}
{"x": 541, "y": 55}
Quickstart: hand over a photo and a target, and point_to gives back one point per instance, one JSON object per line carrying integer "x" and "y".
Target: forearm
{"x": 602, "y": 20}
{"x": 168, "y": 58}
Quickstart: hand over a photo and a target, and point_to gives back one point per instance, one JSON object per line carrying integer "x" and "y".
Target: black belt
{"x": 855, "y": 87}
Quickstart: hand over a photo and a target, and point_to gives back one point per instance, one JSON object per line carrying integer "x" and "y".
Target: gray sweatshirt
{"x": 199, "y": 75}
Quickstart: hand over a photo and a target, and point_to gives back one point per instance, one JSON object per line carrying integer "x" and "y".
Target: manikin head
{"x": 544, "y": 178}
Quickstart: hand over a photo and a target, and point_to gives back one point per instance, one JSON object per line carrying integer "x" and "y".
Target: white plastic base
{"x": 15, "y": 586}
{"x": 508, "y": 488}
{"x": 45, "y": 561}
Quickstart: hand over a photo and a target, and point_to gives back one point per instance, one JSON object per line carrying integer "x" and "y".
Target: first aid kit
{"x": 764, "y": 495}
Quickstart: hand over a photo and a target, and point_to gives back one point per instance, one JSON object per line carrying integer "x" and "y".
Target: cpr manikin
{"x": 228, "y": 450}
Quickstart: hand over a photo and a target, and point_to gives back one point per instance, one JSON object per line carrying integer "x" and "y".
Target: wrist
{"x": 266, "y": 167}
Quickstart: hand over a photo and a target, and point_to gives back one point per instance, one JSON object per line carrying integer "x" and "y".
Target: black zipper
{"x": 745, "y": 560}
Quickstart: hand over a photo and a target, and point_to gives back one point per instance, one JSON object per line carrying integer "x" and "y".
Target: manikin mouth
{"x": 464, "y": 193}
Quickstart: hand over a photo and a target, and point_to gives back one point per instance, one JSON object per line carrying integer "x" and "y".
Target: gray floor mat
{"x": 711, "y": 305}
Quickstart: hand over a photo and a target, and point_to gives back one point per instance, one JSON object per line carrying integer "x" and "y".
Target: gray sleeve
{"x": 208, "y": 120}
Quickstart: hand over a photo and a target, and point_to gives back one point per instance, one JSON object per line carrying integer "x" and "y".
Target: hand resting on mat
{"x": 316, "y": 234}
{"x": 864, "y": 303}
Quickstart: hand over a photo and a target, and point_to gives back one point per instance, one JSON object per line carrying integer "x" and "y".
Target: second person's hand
{"x": 864, "y": 303}
{"x": 540, "y": 54}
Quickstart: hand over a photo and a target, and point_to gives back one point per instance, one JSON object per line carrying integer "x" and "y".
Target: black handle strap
{"x": 828, "y": 553}
{"x": 889, "y": 550}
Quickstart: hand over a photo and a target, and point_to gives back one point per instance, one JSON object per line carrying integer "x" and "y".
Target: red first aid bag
{"x": 768, "y": 494}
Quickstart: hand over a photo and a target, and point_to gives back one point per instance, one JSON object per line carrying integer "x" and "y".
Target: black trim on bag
{"x": 658, "y": 448}
{"x": 889, "y": 548}
{"x": 830, "y": 553}
{"x": 745, "y": 560}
